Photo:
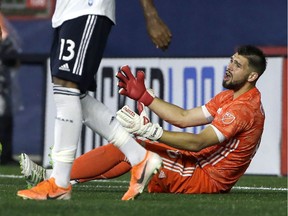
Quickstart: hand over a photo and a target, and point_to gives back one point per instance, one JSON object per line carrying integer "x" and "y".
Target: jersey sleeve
{"x": 233, "y": 120}
{"x": 207, "y": 114}
{"x": 213, "y": 105}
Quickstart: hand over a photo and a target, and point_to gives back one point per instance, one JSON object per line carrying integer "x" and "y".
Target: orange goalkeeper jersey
{"x": 241, "y": 121}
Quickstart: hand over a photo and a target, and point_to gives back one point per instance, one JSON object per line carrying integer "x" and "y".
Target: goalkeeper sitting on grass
{"x": 209, "y": 162}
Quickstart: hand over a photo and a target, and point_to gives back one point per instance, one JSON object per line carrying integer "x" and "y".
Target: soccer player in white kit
{"x": 81, "y": 30}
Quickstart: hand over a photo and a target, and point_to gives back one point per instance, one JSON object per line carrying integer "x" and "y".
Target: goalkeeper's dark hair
{"x": 255, "y": 56}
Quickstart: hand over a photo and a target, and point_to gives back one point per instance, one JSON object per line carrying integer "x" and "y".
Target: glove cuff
{"x": 147, "y": 97}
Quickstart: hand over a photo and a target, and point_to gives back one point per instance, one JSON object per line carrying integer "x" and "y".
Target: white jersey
{"x": 69, "y": 9}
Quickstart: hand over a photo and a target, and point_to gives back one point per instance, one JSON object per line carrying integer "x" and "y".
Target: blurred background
{"x": 200, "y": 28}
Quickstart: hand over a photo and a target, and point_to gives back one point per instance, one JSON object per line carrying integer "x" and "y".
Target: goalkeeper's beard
{"x": 233, "y": 85}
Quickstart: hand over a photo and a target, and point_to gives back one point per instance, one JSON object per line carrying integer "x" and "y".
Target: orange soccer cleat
{"x": 46, "y": 190}
{"x": 141, "y": 174}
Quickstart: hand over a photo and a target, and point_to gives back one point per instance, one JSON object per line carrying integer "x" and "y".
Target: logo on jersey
{"x": 228, "y": 118}
{"x": 65, "y": 67}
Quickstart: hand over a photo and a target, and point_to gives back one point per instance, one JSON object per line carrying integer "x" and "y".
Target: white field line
{"x": 127, "y": 182}
{"x": 11, "y": 176}
{"x": 259, "y": 188}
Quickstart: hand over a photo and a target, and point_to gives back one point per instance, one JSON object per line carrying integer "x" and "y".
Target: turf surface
{"x": 253, "y": 195}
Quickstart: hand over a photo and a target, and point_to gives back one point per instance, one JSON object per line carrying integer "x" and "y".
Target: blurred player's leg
{"x": 104, "y": 162}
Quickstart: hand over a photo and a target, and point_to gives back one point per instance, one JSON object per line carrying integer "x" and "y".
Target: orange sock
{"x": 104, "y": 162}
{"x": 118, "y": 170}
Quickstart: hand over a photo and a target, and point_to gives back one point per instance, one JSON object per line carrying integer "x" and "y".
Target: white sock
{"x": 133, "y": 151}
{"x": 102, "y": 121}
{"x": 68, "y": 125}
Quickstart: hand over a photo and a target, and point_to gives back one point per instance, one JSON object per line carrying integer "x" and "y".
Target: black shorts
{"x": 77, "y": 50}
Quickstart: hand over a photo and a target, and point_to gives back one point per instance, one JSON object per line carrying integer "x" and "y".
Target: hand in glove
{"x": 138, "y": 125}
{"x": 134, "y": 87}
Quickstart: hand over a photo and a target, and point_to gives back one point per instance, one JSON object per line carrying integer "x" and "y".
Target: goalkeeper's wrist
{"x": 147, "y": 97}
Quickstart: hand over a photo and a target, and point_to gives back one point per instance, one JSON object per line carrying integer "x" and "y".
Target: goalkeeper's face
{"x": 237, "y": 73}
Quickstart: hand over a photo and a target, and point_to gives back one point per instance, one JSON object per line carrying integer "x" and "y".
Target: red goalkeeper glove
{"x": 134, "y": 87}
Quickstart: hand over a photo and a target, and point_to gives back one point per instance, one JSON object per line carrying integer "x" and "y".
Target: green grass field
{"x": 253, "y": 195}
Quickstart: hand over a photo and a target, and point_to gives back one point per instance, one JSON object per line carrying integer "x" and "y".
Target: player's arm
{"x": 176, "y": 115}
{"x": 192, "y": 142}
{"x": 140, "y": 125}
{"x": 158, "y": 31}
